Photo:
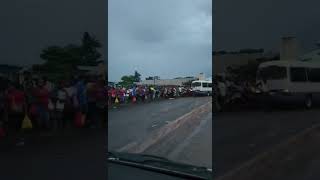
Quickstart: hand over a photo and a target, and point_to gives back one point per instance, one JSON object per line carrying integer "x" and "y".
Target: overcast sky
{"x": 27, "y": 26}
{"x": 166, "y": 38}
{"x": 254, "y": 24}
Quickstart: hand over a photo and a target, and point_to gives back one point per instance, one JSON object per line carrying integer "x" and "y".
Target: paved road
{"x": 242, "y": 135}
{"x": 186, "y": 123}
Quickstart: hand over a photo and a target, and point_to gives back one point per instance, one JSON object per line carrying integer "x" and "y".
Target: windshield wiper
{"x": 160, "y": 164}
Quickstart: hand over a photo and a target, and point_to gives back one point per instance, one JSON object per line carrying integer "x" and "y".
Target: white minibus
{"x": 201, "y": 87}
{"x": 291, "y": 80}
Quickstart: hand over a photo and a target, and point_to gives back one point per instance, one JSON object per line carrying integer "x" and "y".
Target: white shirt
{"x": 62, "y": 95}
{"x": 71, "y": 91}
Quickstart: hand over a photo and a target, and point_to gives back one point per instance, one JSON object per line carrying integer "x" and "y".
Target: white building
{"x": 222, "y": 61}
{"x": 311, "y": 56}
{"x": 167, "y": 82}
{"x": 290, "y": 48}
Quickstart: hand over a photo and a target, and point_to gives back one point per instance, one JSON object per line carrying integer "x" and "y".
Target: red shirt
{"x": 42, "y": 95}
{"x": 122, "y": 92}
{"x": 16, "y": 96}
{"x": 113, "y": 93}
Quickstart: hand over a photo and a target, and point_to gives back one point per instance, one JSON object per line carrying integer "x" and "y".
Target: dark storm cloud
{"x": 255, "y": 24}
{"x": 165, "y": 38}
{"x": 29, "y": 26}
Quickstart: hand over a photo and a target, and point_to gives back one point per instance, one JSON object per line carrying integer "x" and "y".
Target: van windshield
{"x": 272, "y": 73}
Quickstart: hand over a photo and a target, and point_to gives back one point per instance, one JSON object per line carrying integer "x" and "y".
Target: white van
{"x": 201, "y": 87}
{"x": 292, "y": 80}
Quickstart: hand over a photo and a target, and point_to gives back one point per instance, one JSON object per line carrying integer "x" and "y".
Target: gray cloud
{"x": 29, "y": 26}
{"x": 166, "y": 38}
{"x": 251, "y": 23}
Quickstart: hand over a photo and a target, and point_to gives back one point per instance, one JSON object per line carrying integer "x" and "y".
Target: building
{"x": 201, "y": 76}
{"x": 167, "y": 82}
{"x": 291, "y": 51}
{"x": 10, "y": 72}
{"x": 311, "y": 56}
{"x": 222, "y": 61}
{"x": 290, "y": 48}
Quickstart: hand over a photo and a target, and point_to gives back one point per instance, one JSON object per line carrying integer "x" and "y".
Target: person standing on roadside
{"x": 42, "y": 101}
{"x": 222, "y": 90}
{"x": 61, "y": 99}
{"x": 180, "y": 90}
{"x": 15, "y": 101}
{"x": 92, "y": 108}
{"x": 71, "y": 102}
{"x": 165, "y": 91}
{"x": 81, "y": 96}
{"x": 123, "y": 95}
{"x": 100, "y": 96}
{"x": 127, "y": 99}
{"x": 2, "y": 105}
{"x": 113, "y": 95}
{"x": 134, "y": 94}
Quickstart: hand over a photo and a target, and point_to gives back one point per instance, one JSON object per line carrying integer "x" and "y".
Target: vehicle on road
{"x": 201, "y": 87}
{"x": 289, "y": 81}
{"x": 127, "y": 166}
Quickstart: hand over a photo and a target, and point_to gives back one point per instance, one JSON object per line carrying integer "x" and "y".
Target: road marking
{"x": 162, "y": 132}
{"x": 128, "y": 146}
{"x": 186, "y": 142}
{"x": 293, "y": 140}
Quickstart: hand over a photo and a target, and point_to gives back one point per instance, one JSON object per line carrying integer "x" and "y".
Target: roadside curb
{"x": 283, "y": 154}
{"x": 141, "y": 146}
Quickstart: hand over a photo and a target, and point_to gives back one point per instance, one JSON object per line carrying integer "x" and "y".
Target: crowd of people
{"x": 229, "y": 93}
{"x": 71, "y": 103}
{"x": 51, "y": 107}
{"x": 140, "y": 93}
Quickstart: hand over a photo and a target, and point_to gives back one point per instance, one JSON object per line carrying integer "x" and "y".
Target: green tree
{"x": 63, "y": 60}
{"x": 137, "y": 76}
{"x": 89, "y": 48}
{"x": 127, "y": 81}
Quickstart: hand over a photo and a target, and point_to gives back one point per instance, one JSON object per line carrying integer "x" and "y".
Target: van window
{"x": 298, "y": 74}
{"x": 272, "y": 73}
{"x": 196, "y": 84}
{"x": 314, "y": 74}
{"x": 209, "y": 84}
{"x": 204, "y": 84}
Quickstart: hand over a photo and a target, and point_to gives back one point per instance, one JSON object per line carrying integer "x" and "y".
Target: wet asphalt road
{"x": 240, "y": 136}
{"x": 190, "y": 143}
